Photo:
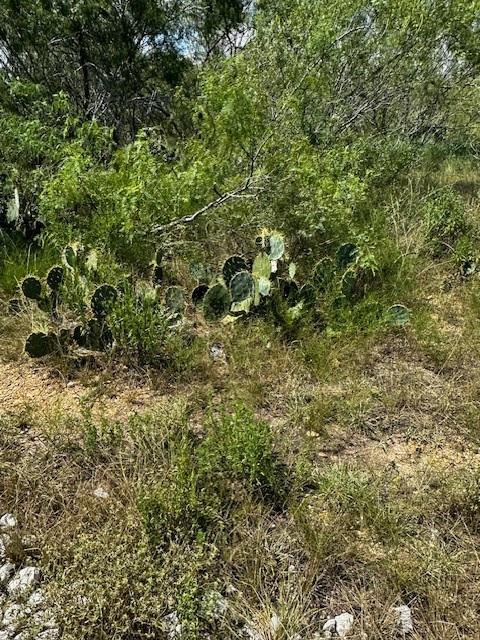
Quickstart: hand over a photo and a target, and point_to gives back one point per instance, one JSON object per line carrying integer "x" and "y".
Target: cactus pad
{"x": 242, "y": 286}
{"x": 198, "y": 294}
{"x": 262, "y": 267}
{"x": 70, "y": 257}
{"x": 40, "y": 344}
{"x": 32, "y": 288}
{"x": 55, "y": 277}
{"x": 398, "y": 315}
{"x": 103, "y": 299}
{"x": 217, "y": 302}
{"x": 277, "y": 246}
{"x": 232, "y": 266}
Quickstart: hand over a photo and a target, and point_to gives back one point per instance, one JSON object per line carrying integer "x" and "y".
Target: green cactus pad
{"x": 216, "y": 303}
{"x": 40, "y": 344}
{"x": 70, "y": 257}
{"x": 55, "y": 277}
{"x": 80, "y": 335}
{"x": 264, "y": 286}
{"x": 262, "y": 267}
{"x": 32, "y": 288}
{"x": 198, "y": 294}
{"x": 242, "y": 307}
{"x": 398, "y": 315}
{"x": 242, "y": 286}
{"x": 103, "y": 299}
{"x": 98, "y": 335}
{"x": 232, "y": 266}
{"x": 346, "y": 254}
{"x": 277, "y": 246}
{"x": 175, "y": 299}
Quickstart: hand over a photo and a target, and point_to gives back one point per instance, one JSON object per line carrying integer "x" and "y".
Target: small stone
{"x": 48, "y": 634}
{"x": 36, "y": 599}
{"x": 275, "y": 623}
{"x": 217, "y": 352}
{"x": 102, "y": 493}
{"x": 13, "y": 613}
{"x": 251, "y": 634}
{"x": 8, "y": 521}
{"x": 404, "y": 619}
{"x": 44, "y": 619}
{"x": 172, "y": 625}
{"x": 6, "y": 572}
{"x": 26, "y": 579}
{"x": 7, "y": 634}
{"x": 340, "y": 626}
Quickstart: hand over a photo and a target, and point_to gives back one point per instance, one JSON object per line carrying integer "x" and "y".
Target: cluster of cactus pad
{"x": 245, "y": 285}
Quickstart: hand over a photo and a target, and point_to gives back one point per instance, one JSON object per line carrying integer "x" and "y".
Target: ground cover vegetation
{"x": 239, "y": 317}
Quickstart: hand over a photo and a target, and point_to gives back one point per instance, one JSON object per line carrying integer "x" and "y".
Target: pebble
{"x": 7, "y": 634}
{"x": 100, "y": 492}
{"x": 36, "y": 599}
{"x": 48, "y": 634}
{"x": 8, "y": 521}
{"x": 340, "y": 626}
{"x": 26, "y": 578}
{"x": 172, "y": 625}
{"x": 404, "y": 619}
{"x": 275, "y": 623}
{"x": 6, "y": 572}
{"x": 13, "y": 613}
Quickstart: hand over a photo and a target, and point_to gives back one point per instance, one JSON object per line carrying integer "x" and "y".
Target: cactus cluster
{"x": 32, "y": 289}
{"x": 246, "y": 284}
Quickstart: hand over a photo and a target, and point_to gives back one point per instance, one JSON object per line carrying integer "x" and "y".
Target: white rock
{"x": 13, "y": 614}
{"x": 26, "y": 579}
{"x": 44, "y": 619}
{"x": 4, "y": 542}
{"x": 275, "y": 623}
{"x": 404, "y": 619}
{"x": 172, "y": 625}
{"x": 252, "y": 634}
{"x": 340, "y": 626}
{"x": 23, "y": 635}
{"x": 6, "y": 572}
{"x": 36, "y": 599}
{"x": 100, "y": 492}
{"x": 217, "y": 352}
{"x": 48, "y": 634}
{"x": 7, "y": 633}
{"x": 8, "y": 521}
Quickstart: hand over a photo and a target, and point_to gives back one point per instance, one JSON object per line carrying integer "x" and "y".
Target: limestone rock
{"x": 27, "y": 578}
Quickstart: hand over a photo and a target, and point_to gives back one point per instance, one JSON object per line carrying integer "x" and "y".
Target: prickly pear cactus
{"x": 175, "y": 299}
{"x": 232, "y": 266}
{"x": 242, "y": 286}
{"x": 55, "y": 277}
{"x": 277, "y": 246}
{"x": 41, "y": 344}
{"x": 103, "y": 298}
{"x": 70, "y": 257}
{"x": 262, "y": 267}
{"x": 198, "y": 294}
{"x": 398, "y": 315}
{"x": 32, "y": 288}
{"x": 216, "y": 303}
